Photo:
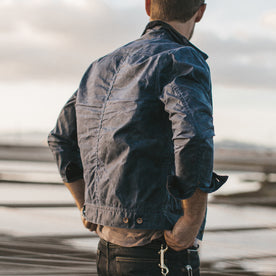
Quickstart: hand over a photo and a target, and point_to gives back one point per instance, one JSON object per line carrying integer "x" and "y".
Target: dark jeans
{"x": 113, "y": 260}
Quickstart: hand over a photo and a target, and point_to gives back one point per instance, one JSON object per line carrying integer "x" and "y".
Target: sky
{"x": 46, "y": 46}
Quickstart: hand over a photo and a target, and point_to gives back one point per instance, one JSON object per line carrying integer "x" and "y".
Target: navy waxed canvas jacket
{"x": 139, "y": 130}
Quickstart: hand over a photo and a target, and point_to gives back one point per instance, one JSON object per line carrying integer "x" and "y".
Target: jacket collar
{"x": 177, "y": 37}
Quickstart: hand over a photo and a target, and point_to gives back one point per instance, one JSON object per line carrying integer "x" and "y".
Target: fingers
{"x": 171, "y": 242}
{"x": 176, "y": 244}
{"x": 89, "y": 225}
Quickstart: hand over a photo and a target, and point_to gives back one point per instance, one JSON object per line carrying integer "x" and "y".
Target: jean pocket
{"x": 183, "y": 262}
{"x": 178, "y": 270}
{"x": 130, "y": 266}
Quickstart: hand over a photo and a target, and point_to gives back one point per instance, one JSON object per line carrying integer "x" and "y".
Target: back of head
{"x": 174, "y": 10}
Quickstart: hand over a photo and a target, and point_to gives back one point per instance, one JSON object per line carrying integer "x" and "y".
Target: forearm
{"x": 187, "y": 227}
{"x": 76, "y": 188}
{"x": 195, "y": 208}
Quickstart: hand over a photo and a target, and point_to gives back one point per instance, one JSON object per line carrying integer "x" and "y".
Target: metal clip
{"x": 164, "y": 268}
{"x": 189, "y": 270}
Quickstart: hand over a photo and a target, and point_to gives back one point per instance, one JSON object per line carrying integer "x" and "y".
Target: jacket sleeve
{"x": 63, "y": 143}
{"x": 189, "y": 106}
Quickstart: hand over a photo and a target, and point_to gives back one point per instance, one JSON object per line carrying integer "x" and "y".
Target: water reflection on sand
{"x": 239, "y": 240}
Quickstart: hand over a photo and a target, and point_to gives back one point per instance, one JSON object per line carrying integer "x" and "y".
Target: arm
{"x": 186, "y": 229}
{"x": 76, "y": 188}
{"x": 188, "y": 101}
{"x": 188, "y": 104}
{"x": 63, "y": 143}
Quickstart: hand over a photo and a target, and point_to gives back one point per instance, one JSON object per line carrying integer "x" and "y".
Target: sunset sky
{"x": 46, "y": 45}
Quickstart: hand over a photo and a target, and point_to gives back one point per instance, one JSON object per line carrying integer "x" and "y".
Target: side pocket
{"x": 127, "y": 266}
{"x": 184, "y": 262}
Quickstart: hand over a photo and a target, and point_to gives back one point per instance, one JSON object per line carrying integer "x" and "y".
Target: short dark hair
{"x": 174, "y": 10}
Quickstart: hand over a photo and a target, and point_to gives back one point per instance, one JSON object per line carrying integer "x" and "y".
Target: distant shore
{"x": 233, "y": 157}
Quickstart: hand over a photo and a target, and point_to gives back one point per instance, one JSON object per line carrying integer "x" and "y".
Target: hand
{"x": 89, "y": 225}
{"x": 182, "y": 235}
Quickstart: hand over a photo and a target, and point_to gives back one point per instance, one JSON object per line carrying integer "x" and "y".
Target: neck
{"x": 186, "y": 28}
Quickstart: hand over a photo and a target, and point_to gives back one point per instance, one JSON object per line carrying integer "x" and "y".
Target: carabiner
{"x": 189, "y": 270}
{"x": 164, "y": 268}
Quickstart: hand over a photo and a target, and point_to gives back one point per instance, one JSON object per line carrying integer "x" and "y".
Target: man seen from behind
{"x": 134, "y": 145}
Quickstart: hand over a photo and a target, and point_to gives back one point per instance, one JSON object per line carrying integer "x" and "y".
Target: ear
{"x": 200, "y": 13}
{"x": 148, "y": 6}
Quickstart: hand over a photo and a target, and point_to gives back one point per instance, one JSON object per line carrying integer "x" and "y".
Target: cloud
{"x": 57, "y": 40}
{"x": 244, "y": 62}
{"x": 269, "y": 20}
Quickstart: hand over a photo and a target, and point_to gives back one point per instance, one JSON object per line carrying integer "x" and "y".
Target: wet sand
{"x": 41, "y": 232}
{"x": 54, "y": 242}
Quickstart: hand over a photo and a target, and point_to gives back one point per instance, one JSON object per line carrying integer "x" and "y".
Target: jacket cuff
{"x": 72, "y": 172}
{"x": 216, "y": 183}
{"x": 185, "y": 190}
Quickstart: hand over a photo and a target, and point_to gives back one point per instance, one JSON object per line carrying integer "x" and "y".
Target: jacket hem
{"x": 131, "y": 219}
